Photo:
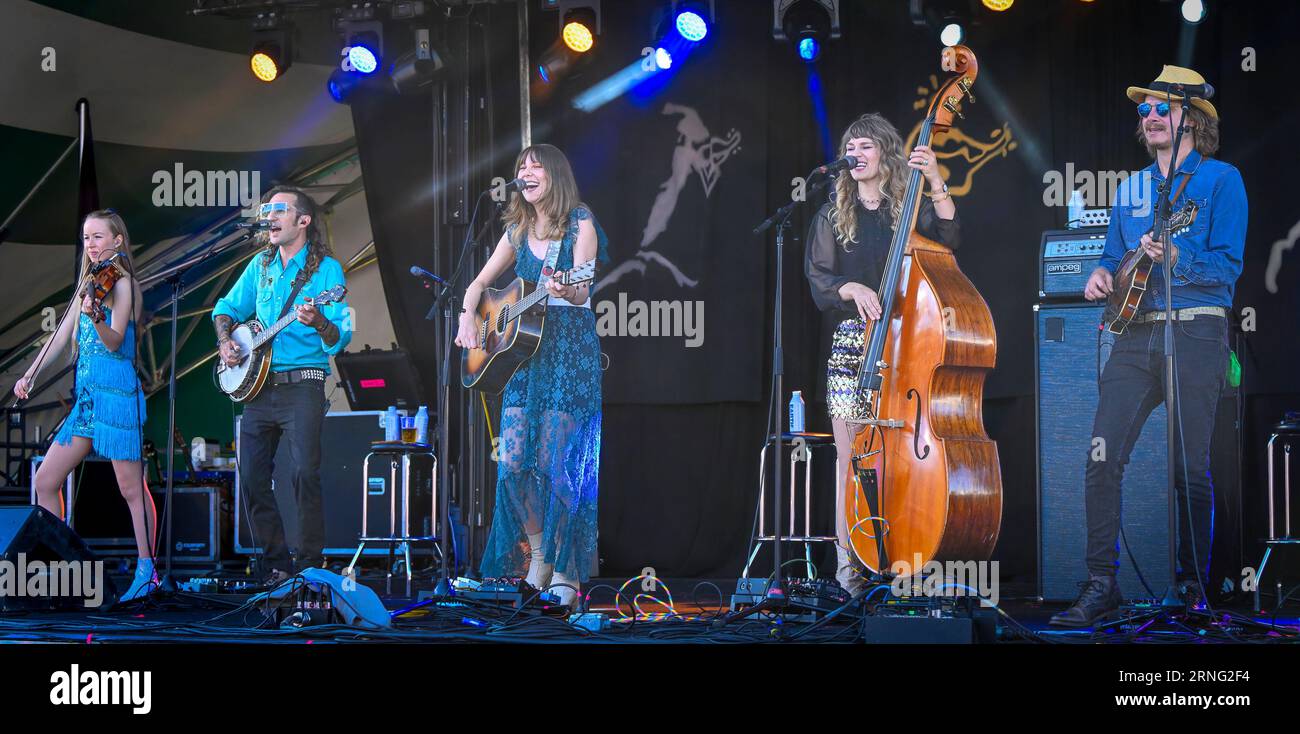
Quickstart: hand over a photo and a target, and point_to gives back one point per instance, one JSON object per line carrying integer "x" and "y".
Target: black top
{"x": 828, "y": 264}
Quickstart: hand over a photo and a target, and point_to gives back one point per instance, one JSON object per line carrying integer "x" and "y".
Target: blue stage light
{"x": 691, "y": 26}
{"x": 363, "y": 59}
{"x": 809, "y": 49}
{"x": 663, "y": 59}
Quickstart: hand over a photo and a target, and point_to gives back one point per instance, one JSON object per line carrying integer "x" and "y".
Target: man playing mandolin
{"x": 296, "y": 264}
{"x": 1206, "y": 258}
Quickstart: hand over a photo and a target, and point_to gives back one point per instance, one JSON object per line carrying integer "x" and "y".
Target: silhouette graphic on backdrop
{"x": 698, "y": 151}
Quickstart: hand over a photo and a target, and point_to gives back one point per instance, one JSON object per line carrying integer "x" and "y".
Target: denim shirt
{"x": 262, "y": 293}
{"x": 1209, "y": 251}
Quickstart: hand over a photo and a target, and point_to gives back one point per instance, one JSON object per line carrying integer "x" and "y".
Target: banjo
{"x": 243, "y": 381}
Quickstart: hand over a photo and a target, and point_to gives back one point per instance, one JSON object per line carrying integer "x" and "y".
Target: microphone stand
{"x": 445, "y": 302}
{"x": 774, "y": 594}
{"x": 175, "y": 278}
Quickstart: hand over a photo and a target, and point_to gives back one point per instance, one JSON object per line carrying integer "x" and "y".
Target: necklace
{"x": 869, "y": 203}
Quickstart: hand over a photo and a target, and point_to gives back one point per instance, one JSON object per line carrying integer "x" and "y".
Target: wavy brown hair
{"x": 561, "y": 199}
{"x": 893, "y": 181}
{"x": 1204, "y": 129}
{"x": 318, "y": 245}
{"x": 116, "y": 227}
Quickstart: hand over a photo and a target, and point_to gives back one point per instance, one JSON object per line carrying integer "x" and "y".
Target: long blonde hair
{"x": 117, "y": 228}
{"x": 560, "y": 199}
{"x": 893, "y": 182}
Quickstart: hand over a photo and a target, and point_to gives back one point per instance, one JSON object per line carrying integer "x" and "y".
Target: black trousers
{"x": 295, "y": 411}
{"x": 1132, "y": 385}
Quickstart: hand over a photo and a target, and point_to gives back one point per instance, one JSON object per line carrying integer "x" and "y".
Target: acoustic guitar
{"x": 509, "y": 323}
{"x": 1133, "y": 273}
{"x": 243, "y": 381}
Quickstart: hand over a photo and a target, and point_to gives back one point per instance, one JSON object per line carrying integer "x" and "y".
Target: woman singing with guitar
{"x": 845, "y": 259}
{"x": 549, "y": 454}
{"x": 108, "y": 411}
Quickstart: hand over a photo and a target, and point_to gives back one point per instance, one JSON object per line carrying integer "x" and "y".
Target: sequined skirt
{"x": 843, "y": 398}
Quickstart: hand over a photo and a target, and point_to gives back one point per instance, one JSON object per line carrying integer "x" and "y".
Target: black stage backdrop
{"x": 727, "y": 129}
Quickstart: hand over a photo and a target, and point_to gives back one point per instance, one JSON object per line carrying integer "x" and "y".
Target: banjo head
{"x": 231, "y": 378}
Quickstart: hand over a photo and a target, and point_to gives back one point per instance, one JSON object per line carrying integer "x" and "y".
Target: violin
{"x": 99, "y": 283}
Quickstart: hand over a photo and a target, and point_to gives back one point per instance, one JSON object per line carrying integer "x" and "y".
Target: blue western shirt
{"x": 1209, "y": 251}
{"x": 262, "y": 292}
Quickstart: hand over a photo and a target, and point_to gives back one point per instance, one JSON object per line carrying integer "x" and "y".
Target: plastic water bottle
{"x": 1075, "y": 209}
{"x": 422, "y": 425}
{"x": 796, "y": 412}
{"x": 392, "y": 428}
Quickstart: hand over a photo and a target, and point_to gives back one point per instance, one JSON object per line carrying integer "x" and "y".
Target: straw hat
{"x": 1173, "y": 75}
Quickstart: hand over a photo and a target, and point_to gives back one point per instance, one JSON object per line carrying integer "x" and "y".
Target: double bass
{"x": 924, "y": 483}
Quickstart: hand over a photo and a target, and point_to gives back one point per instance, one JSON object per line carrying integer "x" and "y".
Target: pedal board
{"x": 932, "y": 621}
{"x": 811, "y": 598}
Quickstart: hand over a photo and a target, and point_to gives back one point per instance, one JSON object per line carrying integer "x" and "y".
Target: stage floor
{"x": 698, "y": 607}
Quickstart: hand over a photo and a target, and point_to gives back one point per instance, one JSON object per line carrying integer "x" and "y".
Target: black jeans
{"x": 1132, "y": 385}
{"x": 297, "y": 411}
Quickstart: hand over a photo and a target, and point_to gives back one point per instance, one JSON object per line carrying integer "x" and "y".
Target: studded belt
{"x": 305, "y": 374}
{"x": 1182, "y": 314}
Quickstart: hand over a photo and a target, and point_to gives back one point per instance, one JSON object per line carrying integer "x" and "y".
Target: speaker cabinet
{"x": 345, "y": 441}
{"x": 33, "y": 541}
{"x": 1070, "y": 351}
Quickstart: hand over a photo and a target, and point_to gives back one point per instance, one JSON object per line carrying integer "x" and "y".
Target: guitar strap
{"x": 1179, "y": 191}
{"x": 298, "y": 283}
{"x": 552, "y": 257}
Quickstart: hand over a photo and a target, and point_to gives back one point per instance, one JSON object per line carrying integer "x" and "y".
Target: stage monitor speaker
{"x": 1070, "y": 351}
{"x": 31, "y": 534}
{"x": 345, "y": 441}
{"x": 1068, "y": 363}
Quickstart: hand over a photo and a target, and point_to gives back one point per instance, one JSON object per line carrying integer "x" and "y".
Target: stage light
{"x": 691, "y": 26}
{"x": 272, "y": 54}
{"x": 579, "y": 22}
{"x": 692, "y": 19}
{"x": 341, "y": 84}
{"x": 1193, "y": 11}
{"x": 363, "y": 59}
{"x": 363, "y": 39}
{"x": 809, "y": 49}
{"x": 414, "y": 70}
{"x": 807, "y": 24}
{"x": 998, "y": 6}
{"x": 579, "y": 28}
{"x": 952, "y": 34}
{"x": 265, "y": 64}
{"x": 663, "y": 59}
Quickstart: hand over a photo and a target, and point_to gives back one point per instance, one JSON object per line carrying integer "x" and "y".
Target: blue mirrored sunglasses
{"x": 1162, "y": 109}
{"x": 271, "y": 207}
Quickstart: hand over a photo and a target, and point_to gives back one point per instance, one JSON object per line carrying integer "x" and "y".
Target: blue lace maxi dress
{"x": 549, "y": 450}
{"x": 109, "y": 407}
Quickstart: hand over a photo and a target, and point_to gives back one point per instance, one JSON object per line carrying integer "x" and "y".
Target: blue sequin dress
{"x": 549, "y": 450}
{"x": 109, "y": 407}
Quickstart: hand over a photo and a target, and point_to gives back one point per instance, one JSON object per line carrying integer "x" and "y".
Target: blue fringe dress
{"x": 549, "y": 449}
{"x": 109, "y": 407}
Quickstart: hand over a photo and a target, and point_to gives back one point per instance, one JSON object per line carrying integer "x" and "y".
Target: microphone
{"x": 1202, "y": 91}
{"x": 420, "y": 272}
{"x": 842, "y": 164}
{"x": 515, "y": 185}
{"x": 258, "y": 225}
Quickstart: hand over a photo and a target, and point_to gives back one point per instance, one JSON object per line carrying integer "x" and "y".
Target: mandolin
{"x": 509, "y": 323}
{"x": 1133, "y": 273}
